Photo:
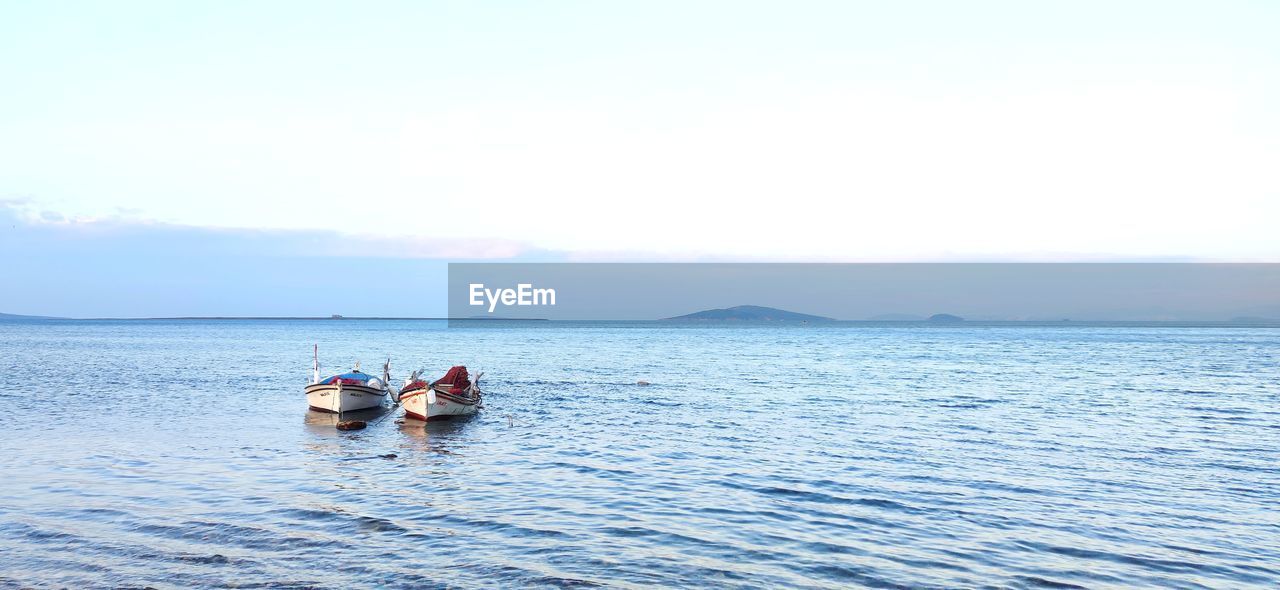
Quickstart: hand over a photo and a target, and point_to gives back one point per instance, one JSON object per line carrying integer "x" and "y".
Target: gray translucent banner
{"x": 890, "y": 292}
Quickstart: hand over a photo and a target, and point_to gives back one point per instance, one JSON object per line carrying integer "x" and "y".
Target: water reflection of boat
{"x": 453, "y": 395}
{"x": 321, "y": 418}
{"x": 435, "y": 430}
{"x": 438, "y": 437}
{"x": 351, "y": 391}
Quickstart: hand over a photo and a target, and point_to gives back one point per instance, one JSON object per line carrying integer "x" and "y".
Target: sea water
{"x": 176, "y": 454}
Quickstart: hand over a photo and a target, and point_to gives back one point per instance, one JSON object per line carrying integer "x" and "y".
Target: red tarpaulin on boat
{"x": 458, "y": 377}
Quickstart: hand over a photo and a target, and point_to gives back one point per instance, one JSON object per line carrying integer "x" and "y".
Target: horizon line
{"x": 1261, "y": 321}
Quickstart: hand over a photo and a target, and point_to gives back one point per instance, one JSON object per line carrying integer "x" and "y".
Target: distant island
{"x": 945, "y": 318}
{"x": 11, "y": 316}
{"x": 750, "y": 313}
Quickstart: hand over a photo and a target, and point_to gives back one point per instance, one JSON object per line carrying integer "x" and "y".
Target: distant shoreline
{"x": 249, "y": 318}
{"x": 341, "y": 319}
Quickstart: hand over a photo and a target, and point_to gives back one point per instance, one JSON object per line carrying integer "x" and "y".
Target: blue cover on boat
{"x": 347, "y": 378}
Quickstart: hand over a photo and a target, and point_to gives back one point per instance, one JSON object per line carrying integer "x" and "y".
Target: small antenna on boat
{"x": 315, "y": 363}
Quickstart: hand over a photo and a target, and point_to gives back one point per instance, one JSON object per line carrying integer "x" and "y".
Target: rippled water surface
{"x": 181, "y": 454}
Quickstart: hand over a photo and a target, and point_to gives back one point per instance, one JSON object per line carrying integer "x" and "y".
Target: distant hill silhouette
{"x": 945, "y": 318}
{"x": 10, "y": 316}
{"x": 751, "y": 313}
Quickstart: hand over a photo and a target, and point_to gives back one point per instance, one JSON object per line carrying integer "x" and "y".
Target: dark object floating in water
{"x": 750, "y": 313}
{"x": 352, "y": 425}
{"x": 945, "y": 318}
{"x": 642, "y": 382}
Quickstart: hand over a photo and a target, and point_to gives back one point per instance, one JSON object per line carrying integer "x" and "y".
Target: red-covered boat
{"x": 455, "y": 394}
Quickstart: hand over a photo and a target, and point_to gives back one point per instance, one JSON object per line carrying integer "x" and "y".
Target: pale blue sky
{"x": 828, "y": 131}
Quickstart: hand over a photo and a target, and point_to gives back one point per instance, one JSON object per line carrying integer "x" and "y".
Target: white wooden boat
{"x": 453, "y": 395}
{"x": 347, "y": 392}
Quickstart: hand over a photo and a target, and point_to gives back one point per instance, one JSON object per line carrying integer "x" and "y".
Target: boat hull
{"x": 347, "y": 398}
{"x": 446, "y": 406}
